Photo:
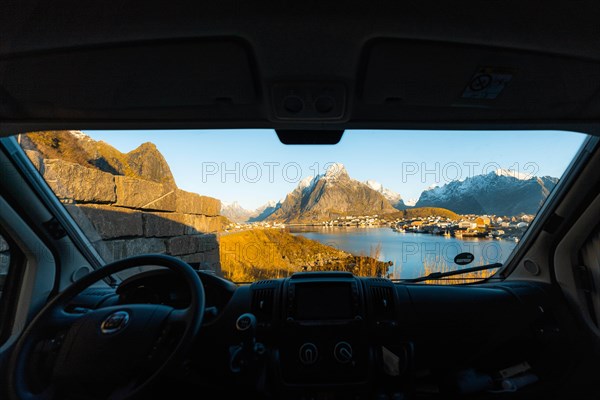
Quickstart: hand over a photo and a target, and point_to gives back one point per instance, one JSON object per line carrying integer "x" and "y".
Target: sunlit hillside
{"x": 273, "y": 253}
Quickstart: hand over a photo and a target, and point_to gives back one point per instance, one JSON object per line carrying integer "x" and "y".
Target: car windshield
{"x": 395, "y": 204}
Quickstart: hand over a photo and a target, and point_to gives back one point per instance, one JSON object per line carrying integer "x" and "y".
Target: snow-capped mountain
{"x": 410, "y": 202}
{"x": 263, "y": 212}
{"x": 499, "y": 192}
{"x": 515, "y": 174}
{"x": 236, "y": 213}
{"x": 394, "y": 198}
{"x": 331, "y": 195}
{"x": 80, "y": 135}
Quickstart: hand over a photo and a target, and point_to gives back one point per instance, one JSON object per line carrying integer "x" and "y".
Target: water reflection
{"x": 410, "y": 253}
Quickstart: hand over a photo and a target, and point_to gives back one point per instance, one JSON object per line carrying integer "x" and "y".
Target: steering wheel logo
{"x": 114, "y": 322}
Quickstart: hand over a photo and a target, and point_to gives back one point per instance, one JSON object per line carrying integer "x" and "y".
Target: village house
{"x": 467, "y": 225}
{"x": 482, "y": 222}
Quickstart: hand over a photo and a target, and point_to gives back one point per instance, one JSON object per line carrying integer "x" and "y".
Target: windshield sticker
{"x": 464, "y": 258}
{"x": 487, "y": 83}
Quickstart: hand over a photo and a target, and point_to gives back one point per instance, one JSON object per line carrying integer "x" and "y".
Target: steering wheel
{"x": 111, "y": 352}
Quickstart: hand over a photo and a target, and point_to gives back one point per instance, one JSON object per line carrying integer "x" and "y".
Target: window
{"x": 4, "y": 263}
{"x": 589, "y": 273}
{"x": 9, "y": 288}
{"x": 399, "y": 204}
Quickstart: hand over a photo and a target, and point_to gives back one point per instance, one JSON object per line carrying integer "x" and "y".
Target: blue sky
{"x": 253, "y": 167}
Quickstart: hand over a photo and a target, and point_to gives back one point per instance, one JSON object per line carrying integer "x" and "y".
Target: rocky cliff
{"x": 145, "y": 162}
{"x": 127, "y": 204}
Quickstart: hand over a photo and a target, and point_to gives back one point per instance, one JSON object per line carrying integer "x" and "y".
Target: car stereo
{"x": 323, "y": 301}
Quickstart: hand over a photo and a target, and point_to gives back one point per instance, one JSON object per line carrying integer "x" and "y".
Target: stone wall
{"x": 124, "y": 216}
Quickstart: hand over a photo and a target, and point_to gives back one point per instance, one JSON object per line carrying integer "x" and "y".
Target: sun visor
{"x": 190, "y": 74}
{"x": 431, "y": 79}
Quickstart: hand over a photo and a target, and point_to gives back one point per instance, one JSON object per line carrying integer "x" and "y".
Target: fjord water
{"x": 408, "y": 252}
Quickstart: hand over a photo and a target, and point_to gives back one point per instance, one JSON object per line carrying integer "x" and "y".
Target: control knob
{"x": 308, "y": 353}
{"x": 343, "y": 352}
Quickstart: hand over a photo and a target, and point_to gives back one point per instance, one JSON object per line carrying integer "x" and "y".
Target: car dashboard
{"x": 334, "y": 335}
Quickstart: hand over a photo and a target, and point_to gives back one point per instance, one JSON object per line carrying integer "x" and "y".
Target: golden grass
{"x": 56, "y": 144}
{"x": 369, "y": 265}
{"x": 468, "y": 277}
{"x": 274, "y": 253}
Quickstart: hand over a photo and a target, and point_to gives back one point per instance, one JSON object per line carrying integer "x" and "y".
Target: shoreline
{"x": 465, "y": 238}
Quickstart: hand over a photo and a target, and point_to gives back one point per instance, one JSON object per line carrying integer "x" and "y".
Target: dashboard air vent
{"x": 383, "y": 302}
{"x": 380, "y": 281}
{"x": 262, "y": 303}
{"x": 263, "y": 282}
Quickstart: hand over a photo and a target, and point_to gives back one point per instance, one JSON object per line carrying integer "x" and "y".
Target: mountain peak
{"x": 233, "y": 204}
{"x": 374, "y": 185}
{"x": 80, "y": 135}
{"x": 331, "y": 195}
{"x": 270, "y": 203}
{"x": 148, "y": 162}
{"x": 512, "y": 173}
{"x": 236, "y": 213}
{"x": 411, "y": 202}
{"x": 305, "y": 182}
{"x": 394, "y": 198}
{"x": 336, "y": 171}
{"x": 146, "y": 146}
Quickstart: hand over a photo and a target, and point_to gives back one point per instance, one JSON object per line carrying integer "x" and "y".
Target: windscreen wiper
{"x": 439, "y": 275}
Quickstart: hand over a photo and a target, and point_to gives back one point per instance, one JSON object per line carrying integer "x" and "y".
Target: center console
{"x": 323, "y": 335}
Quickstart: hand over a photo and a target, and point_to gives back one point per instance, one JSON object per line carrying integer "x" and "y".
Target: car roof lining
{"x": 233, "y": 65}
{"x": 558, "y": 27}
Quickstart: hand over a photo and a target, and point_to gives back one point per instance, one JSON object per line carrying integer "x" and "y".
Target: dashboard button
{"x": 245, "y": 322}
{"x": 343, "y": 352}
{"x": 308, "y": 354}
